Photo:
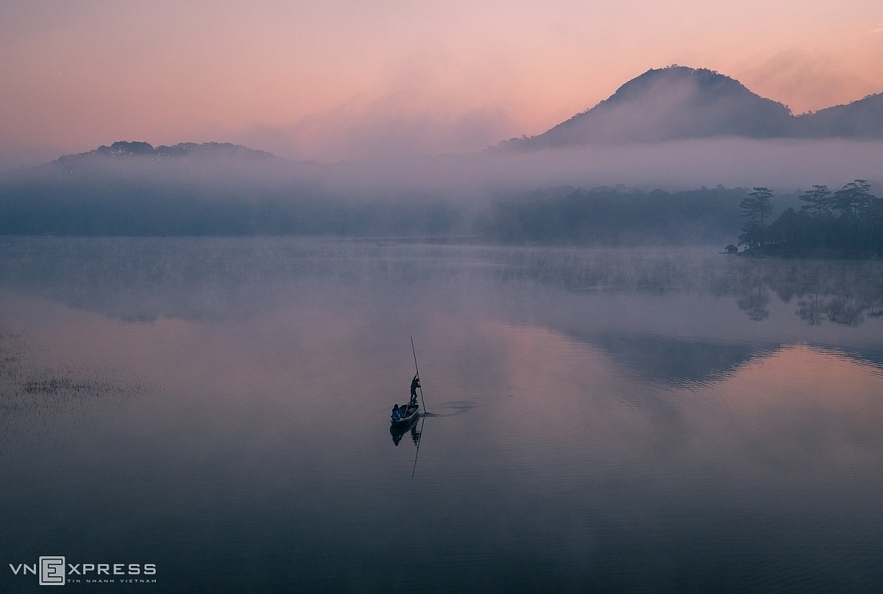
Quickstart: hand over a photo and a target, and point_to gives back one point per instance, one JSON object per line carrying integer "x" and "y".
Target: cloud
{"x": 385, "y": 128}
{"x": 808, "y": 81}
{"x": 674, "y": 165}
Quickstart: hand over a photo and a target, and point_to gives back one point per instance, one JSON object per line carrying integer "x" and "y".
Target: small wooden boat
{"x": 404, "y": 415}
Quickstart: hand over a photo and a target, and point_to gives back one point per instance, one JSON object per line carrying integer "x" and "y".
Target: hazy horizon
{"x": 783, "y": 164}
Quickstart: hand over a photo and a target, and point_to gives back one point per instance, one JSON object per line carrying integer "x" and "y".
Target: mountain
{"x": 185, "y": 149}
{"x": 861, "y": 119}
{"x": 209, "y": 165}
{"x": 142, "y": 154}
{"x": 220, "y": 189}
{"x": 677, "y": 103}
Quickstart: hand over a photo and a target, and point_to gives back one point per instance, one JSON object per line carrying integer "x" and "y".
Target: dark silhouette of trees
{"x": 756, "y": 206}
{"x": 846, "y": 223}
{"x": 852, "y": 199}
{"x": 609, "y": 216}
{"x": 818, "y": 201}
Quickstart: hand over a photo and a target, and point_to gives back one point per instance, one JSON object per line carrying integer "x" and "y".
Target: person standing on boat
{"x": 415, "y": 383}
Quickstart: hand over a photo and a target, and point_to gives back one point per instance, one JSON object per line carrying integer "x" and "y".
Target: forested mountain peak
{"x": 678, "y": 102}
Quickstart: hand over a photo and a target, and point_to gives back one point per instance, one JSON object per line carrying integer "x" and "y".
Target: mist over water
{"x": 601, "y": 419}
{"x": 673, "y": 193}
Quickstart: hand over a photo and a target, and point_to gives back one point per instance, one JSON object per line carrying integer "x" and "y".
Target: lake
{"x": 185, "y": 415}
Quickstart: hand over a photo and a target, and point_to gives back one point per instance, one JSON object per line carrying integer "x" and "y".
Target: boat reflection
{"x": 398, "y": 431}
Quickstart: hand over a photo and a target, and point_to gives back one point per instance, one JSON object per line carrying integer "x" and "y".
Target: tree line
{"x": 613, "y": 217}
{"x": 842, "y": 223}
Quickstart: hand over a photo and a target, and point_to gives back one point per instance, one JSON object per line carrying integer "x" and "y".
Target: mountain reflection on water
{"x": 678, "y": 362}
{"x": 661, "y": 312}
{"x": 600, "y": 420}
{"x": 666, "y": 314}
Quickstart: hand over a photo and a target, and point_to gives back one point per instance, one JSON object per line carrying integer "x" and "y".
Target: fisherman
{"x": 415, "y": 383}
{"x": 395, "y": 414}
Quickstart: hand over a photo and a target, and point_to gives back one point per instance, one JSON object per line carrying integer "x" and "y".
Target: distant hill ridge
{"x": 184, "y": 149}
{"x": 124, "y": 158}
{"x": 678, "y": 102}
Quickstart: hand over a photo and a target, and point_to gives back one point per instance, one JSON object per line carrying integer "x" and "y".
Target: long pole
{"x": 413, "y": 350}
{"x": 417, "y": 453}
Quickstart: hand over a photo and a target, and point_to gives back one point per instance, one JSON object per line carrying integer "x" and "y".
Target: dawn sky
{"x": 347, "y": 79}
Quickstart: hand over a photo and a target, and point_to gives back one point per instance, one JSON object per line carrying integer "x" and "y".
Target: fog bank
{"x": 676, "y": 165}
{"x": 132, "y": 188}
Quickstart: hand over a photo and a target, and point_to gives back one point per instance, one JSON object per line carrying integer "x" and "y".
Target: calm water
{"x": 600, "y": 420}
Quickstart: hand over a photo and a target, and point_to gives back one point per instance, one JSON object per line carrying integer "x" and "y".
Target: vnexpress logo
{"x": 56, "y": 571}
{"x": 52, "y": 571}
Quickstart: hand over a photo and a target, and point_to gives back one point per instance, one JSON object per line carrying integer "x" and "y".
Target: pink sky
{"x": 345, "y": 79}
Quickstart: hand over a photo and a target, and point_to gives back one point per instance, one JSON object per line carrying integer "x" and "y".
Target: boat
{"x": 412, "y": 411}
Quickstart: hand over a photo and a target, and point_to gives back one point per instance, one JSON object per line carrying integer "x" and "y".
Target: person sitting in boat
{"x": 415, "y": 383}
{"x": 396, "y": 413}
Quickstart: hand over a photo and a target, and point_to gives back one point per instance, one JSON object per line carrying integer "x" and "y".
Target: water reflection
{"x": 661, "y": 311}
{"x": 841, "y": 292}
{"x": 145, "y": 279}
{"x": 675, "y": 362}
{"x": 755, "y": 299}
{"x": 31, "y": 387}
{"x": 398, "y": 431}
{"x": 838, "y": 309}
{"x": 601, "y": 420}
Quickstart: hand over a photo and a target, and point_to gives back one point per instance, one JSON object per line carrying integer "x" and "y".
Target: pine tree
{"x": 853, "y": 199}
{"x": 755, "y": 207}
{"x": 818, "y": 201}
